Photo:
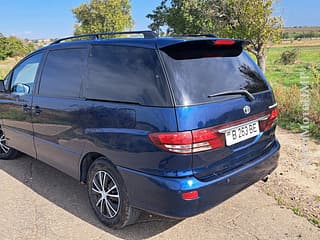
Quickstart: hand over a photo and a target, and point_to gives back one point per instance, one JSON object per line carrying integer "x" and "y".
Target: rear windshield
{"x": 197, "y": 75}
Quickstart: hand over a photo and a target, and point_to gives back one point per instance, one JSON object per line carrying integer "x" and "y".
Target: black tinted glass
{"x": 126, "y": 74}
{"x": 63, "y": 73}
{"x": 202, "y": 49}
{"x": 194, "y": 79}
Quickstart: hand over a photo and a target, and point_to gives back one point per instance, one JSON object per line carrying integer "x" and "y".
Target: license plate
{"x": 241, "y": 132}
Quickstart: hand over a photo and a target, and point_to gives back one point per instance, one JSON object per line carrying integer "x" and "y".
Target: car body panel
{"x": 16, "y": 111}
{"x": 166, "y": 192}
{"x": 220, "y": 112}
{"x": 17, "y": 123}
{"x": 216, "y": 162}
{"x": 58, "y": 132}
{"x": 120, "y": 133}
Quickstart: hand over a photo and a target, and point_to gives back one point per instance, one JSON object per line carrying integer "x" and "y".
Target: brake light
{"x": 207, "y": 139}
{"x": 178, "y": 142}
{"x": 189, "y": 141}
{"x": 224, "y": 42}
{"x": 269, "y": 122}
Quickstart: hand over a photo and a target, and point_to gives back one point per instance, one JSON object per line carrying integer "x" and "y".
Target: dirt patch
{"x": 295, "y": 184}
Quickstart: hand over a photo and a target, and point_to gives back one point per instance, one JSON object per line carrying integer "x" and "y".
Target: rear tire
{"x": 108, "y": 195}
{"x": 5, "y": 151}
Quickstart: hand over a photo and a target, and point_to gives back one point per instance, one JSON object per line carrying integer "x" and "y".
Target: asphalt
{"x": 38, "y": 202}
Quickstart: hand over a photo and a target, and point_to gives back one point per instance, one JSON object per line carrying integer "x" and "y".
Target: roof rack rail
{"x": 94, "y": 36}
{"x": 201, "y": 35}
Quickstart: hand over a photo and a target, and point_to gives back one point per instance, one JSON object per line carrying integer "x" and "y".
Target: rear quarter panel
{"x": 120, "y": 133}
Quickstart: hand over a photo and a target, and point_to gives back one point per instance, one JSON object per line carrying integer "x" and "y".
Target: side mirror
{"x": 2, "y": 86}
{"x": 21, "y": 88}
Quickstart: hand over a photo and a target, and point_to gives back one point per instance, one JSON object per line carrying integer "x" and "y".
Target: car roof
{"x": 134, "y": 42}
{"x": 149, "y": 40}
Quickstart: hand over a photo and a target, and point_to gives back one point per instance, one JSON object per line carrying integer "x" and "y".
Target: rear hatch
{"x": 223, "y": 99}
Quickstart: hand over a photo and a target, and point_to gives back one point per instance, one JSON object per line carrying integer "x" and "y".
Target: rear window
{"x": 126, "y": 74}
{"x": 196, "y": 73}
{"x": 63, "y": 73}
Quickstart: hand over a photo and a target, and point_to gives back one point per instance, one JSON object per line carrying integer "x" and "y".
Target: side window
{"x": 126, "y": 74}
{"x": 7, "y": 80}
{"x": 24, "y": 75}
{"x": 63, "y": 73}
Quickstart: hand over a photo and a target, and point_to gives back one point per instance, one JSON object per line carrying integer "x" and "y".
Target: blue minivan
{"x": 172, "y": 125}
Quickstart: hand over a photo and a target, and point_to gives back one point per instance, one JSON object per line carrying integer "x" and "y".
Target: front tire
{"x": 108, "y": 195}
{"x": 5, "y": 151}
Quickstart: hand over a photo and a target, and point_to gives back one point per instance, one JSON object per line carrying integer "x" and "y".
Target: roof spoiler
{"x": 205, "y": 48}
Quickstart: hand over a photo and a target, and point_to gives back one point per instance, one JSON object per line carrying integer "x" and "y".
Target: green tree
{"x": 103, "y": 16}
{"x": 253, "y": 20}
{"x": 182, "y": 17}
{"x": 14, "y": 47}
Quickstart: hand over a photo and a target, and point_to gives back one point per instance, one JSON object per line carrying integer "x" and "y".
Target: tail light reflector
{"x": 190, "y": 195}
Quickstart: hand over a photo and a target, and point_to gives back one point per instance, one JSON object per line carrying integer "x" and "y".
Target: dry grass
{"x": 291, "y": 112}
{"x": 297, "y": 43}
{"x": 6, "y": 66}
{"x": 301, "y": 29}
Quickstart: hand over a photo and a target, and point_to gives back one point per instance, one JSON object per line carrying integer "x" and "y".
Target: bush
{"x": 14, "y": 47}
{"x": 289, "y": 57}
{"x": 291, "y": 109}
{"x": 316, "y": 76}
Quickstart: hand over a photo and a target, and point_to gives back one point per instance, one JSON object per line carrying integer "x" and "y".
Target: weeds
{"x": 315, "y": 221}
{"x": 297, "y": 211}
{"x": 280, "y": 201}
{"x": 291, "y": 110}
{"x": 289, "y": 57}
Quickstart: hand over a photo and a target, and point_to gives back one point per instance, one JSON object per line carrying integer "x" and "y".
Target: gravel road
{"x": 38, "y": 202}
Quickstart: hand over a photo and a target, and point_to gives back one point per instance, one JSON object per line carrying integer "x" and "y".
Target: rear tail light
{"x": 206, "y": 139}
{"x": 178, "y": 142}
{"x": 270, "y": 121}
{"x": 189, "y": 141}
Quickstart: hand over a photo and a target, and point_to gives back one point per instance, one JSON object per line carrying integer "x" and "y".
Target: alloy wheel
{"x": 106, "y": 194}
{"x": 4, "y": 149}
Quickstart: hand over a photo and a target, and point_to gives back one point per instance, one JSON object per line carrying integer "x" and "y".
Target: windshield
{"x": 194, "y": 79}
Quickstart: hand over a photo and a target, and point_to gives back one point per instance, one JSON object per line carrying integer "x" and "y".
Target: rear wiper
{"x": 235, "y": 92}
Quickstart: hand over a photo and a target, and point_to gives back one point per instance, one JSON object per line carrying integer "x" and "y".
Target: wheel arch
{"x": 85, "y": 164}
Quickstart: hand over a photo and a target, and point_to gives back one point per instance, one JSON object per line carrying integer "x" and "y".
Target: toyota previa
{"x": 168, "y": 125}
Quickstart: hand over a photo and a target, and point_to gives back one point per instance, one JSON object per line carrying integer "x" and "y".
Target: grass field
{"x": 290, "y": 74}
{"x": 288, "y": 82}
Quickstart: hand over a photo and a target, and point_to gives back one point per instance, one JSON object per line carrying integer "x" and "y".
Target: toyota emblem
{"x": 247, "y": 110}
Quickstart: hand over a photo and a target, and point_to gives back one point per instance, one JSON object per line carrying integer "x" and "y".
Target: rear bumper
{"x": 163, "y": 195}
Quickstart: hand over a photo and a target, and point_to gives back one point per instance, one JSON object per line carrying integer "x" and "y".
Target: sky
{"x": 36, "y": 19}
